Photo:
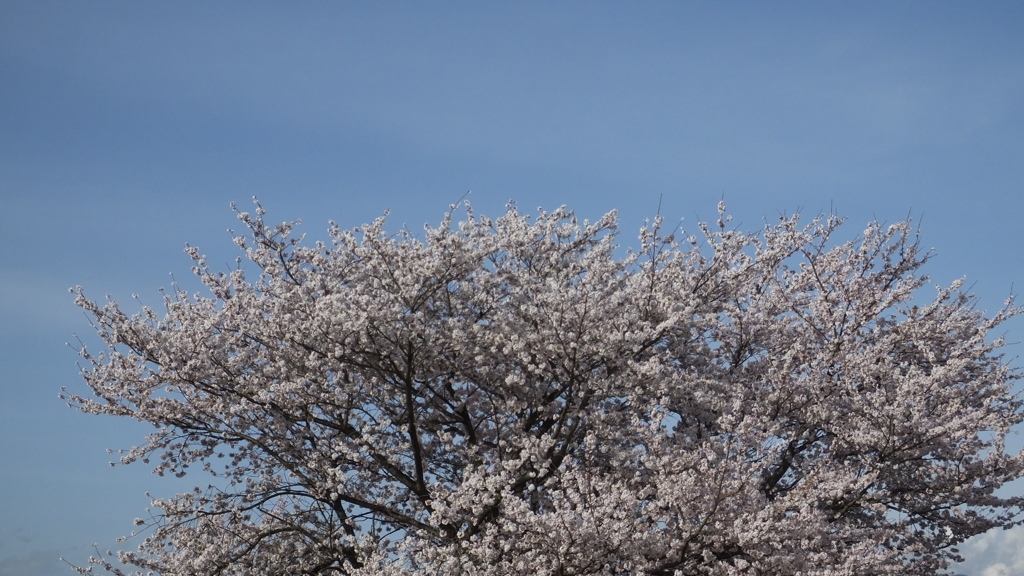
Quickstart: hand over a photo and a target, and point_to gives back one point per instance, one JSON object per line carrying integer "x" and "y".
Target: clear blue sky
{"x": 127, "y": 128}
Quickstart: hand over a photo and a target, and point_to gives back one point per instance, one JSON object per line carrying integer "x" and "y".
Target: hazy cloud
{"x": 38, "y": 563}
{"x": 994, "y": 553}
{"x": 31, "y": 300}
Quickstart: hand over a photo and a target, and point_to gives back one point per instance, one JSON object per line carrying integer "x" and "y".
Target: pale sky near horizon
{"x": 127, "y": 128}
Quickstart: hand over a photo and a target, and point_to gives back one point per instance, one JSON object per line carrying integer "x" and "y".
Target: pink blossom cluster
{"x": 522, "y": 396}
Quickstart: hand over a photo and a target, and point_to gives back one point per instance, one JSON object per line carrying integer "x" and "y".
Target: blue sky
{"x": 127, "y": 128}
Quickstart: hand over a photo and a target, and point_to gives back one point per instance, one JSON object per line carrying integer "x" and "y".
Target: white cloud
{"x": 994, "y": 553}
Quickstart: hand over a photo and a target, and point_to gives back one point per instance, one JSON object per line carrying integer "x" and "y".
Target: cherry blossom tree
{"x": 522, "y": 396}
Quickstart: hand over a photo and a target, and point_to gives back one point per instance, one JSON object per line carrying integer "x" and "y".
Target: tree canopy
{"x": 523, "y": 396}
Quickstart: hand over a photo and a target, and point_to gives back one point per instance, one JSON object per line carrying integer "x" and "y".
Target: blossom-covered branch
{"x": 520, "y": 396}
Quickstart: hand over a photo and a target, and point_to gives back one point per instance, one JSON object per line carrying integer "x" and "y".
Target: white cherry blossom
{"x": 522, "y": 396}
